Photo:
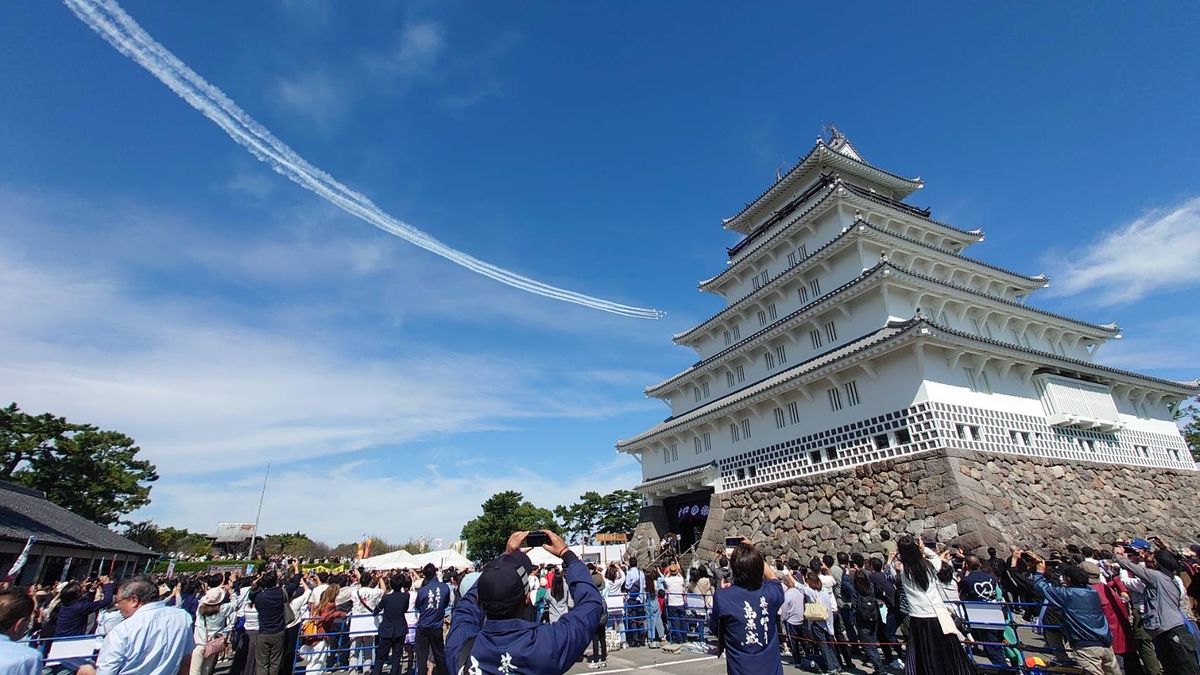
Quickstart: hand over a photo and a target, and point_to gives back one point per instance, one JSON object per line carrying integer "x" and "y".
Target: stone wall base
{"x": 976, "y": 499}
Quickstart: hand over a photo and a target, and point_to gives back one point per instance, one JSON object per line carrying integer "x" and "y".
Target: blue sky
{"x": 158, "y": 280}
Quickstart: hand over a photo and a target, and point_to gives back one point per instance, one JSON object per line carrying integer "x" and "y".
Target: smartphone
{"x": 732, "y": 542}
{"x": 537, "y": 538}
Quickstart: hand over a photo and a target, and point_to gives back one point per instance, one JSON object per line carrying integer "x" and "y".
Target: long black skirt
{"x": 932, "y": 652}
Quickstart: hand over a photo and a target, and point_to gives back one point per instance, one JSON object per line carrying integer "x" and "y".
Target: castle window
{"x": 815, "y": 336}
{"x": 831, "y": 331}
{"x": 779, "y": 420}
{"x": 781, "y": 354}
{"x": 903, "y": 437}
{"x": 815, "y": 285}
{"x": 831, "y": 454}
{"x": 704, "y": 388}
{"x": 728, "y": 338}
{"x": 851, "y": 388}
{"x": 802, "y": 292}
{"x": 734, "y": 434}
{"x": 746, "y": 428}
{"x": 729, "y": 377}
{"x": 696, "y": 445}
{"x": 793, "y": 412}
{"x": 769, "y": 358}
{"x": 814, "y": 457}
{"x": 741, "y": 474}
{"x": 737, "y": 332}
{"x": 707, "y": 441}
{"x": 762, "y": 318}
{"x": 881, "y": 442}
{"x": 752, "y": 471}
{"x": 835, "y": 398}
{"x": 771, "y": 311}
{"x": 741, "y": 373}
{"x": 792, "y": 259}
{"x": 696, "y": 393}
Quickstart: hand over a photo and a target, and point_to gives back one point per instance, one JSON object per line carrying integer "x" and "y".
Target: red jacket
{"x": 1117, "y": 614}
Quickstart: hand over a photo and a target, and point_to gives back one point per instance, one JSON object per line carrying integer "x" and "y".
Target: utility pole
{"x": 257, "y": 516}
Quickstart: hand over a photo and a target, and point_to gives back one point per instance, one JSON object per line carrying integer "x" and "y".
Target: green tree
{"x": 1191, "y": 427}
{"x": 93, "y": 473}
{"x": 594, "y": 513}
{"x": 147, "y": 534}
{"x": 503, "y": 514}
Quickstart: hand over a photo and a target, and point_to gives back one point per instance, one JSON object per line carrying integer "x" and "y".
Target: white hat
{"x": 214, "y": 596}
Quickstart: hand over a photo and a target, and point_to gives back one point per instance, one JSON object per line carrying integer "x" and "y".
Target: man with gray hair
{"x": 154, "y": 639}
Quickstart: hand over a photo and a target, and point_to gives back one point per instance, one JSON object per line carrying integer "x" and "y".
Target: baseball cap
{"x": 503, "y": 582}
{"x": 1141, "y": 544}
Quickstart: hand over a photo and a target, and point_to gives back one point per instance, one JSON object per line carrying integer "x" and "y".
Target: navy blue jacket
{"x": 527, "y": 647}
{"x": 72, "y": 618}
{"x": 394, "y": 608}
{"x": 432, "y": 600}
{"x": 1083, "y": 619}
{"x": 747, "y": 622}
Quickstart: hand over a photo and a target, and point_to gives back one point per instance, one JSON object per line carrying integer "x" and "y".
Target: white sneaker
{"x": 592, "y": 665}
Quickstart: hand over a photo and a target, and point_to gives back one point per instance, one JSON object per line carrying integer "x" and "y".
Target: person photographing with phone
{"x": 488, "y": 632}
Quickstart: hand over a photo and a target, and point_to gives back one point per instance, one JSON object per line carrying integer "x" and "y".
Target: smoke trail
{"x": 120, "y": 30}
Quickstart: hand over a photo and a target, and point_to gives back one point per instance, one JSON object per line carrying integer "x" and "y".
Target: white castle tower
{"x": 857, "y": 330}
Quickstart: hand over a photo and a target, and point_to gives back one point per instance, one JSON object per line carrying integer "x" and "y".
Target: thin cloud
{"x": 418, "y": 51}
{"x": 420, "y": 501}
{"x": 1158, "y": 252}
{"x": 315, "y": 96}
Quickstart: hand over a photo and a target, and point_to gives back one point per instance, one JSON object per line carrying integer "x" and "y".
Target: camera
{"x": 537, "y": 538}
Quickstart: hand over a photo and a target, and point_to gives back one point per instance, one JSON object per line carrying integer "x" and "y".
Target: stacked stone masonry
{"x": 973, "y": 498}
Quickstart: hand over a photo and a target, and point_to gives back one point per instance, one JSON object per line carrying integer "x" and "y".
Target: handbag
{"x": 816, "y": 611}
{"x": 950, "y": 622}
{"x": 213, "y": 646}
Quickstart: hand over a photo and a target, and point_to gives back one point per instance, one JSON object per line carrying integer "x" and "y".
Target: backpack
{"x": 866, "y": 611}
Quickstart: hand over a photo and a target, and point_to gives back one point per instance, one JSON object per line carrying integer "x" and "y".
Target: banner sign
{"x": 20, "y": 561}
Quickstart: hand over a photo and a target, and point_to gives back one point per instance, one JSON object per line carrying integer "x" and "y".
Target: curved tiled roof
{"x": 708, "y": 283}
{"x": 1189, "y": 387}
{"x": 847, "y": 350}
{"x": 923, "y": 214}
{"x": 894, "y": 330}
{"x": 831, "y": 295}
{"x": 820, "y": 147}
{"x": 1108, "y": 328}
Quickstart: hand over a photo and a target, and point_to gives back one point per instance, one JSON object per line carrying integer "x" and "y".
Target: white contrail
{"x": 112, "y": 23}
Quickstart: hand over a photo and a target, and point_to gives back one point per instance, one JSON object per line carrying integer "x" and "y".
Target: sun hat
{"x": 214, "y": 596}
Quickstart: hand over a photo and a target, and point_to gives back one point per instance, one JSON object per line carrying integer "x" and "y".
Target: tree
{"x": 94, "y": 473}
{"x": 503, "y": 513}
{"x": 618, "y": 511}
{"x": 1191, "y": 428}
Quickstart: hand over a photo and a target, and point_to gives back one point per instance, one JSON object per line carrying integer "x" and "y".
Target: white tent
{"x": 540, "y": 556}
{"x": 442, "y": 559}
{"x": 396, "y": 560}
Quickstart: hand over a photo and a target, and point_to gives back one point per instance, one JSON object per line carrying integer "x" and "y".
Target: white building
{"x": 858, "y": 329}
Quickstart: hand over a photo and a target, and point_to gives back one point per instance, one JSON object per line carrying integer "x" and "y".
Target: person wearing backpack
{"x": 865, "y": 614}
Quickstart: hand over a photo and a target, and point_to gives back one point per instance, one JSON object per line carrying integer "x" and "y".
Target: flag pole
{"x": 258, "y": 515}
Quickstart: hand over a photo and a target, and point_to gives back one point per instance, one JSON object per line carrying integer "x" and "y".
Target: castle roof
{"x": 682, "y": 337}
{"x": 844, "y": 157}
{"x": 890, "y": 336}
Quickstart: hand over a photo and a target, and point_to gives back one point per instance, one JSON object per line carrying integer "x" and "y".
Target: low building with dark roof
{"x": 66, "y": 546}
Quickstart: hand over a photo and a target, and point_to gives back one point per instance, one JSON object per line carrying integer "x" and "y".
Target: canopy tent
{"x": 442, "y": 559}
{"x": 396, "y": 560}
{"x": 540, "y": 556}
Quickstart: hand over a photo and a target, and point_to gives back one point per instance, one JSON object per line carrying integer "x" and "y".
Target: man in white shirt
{"x": 152, "y": 640}
{"x": 676, "y": 605}
{"x": 16, "y": 609}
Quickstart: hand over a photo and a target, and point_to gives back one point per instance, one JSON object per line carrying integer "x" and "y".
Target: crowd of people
{"x": 907, "y": 606}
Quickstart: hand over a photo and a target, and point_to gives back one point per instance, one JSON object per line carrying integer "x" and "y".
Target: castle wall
{"x": 973, "y": 498}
